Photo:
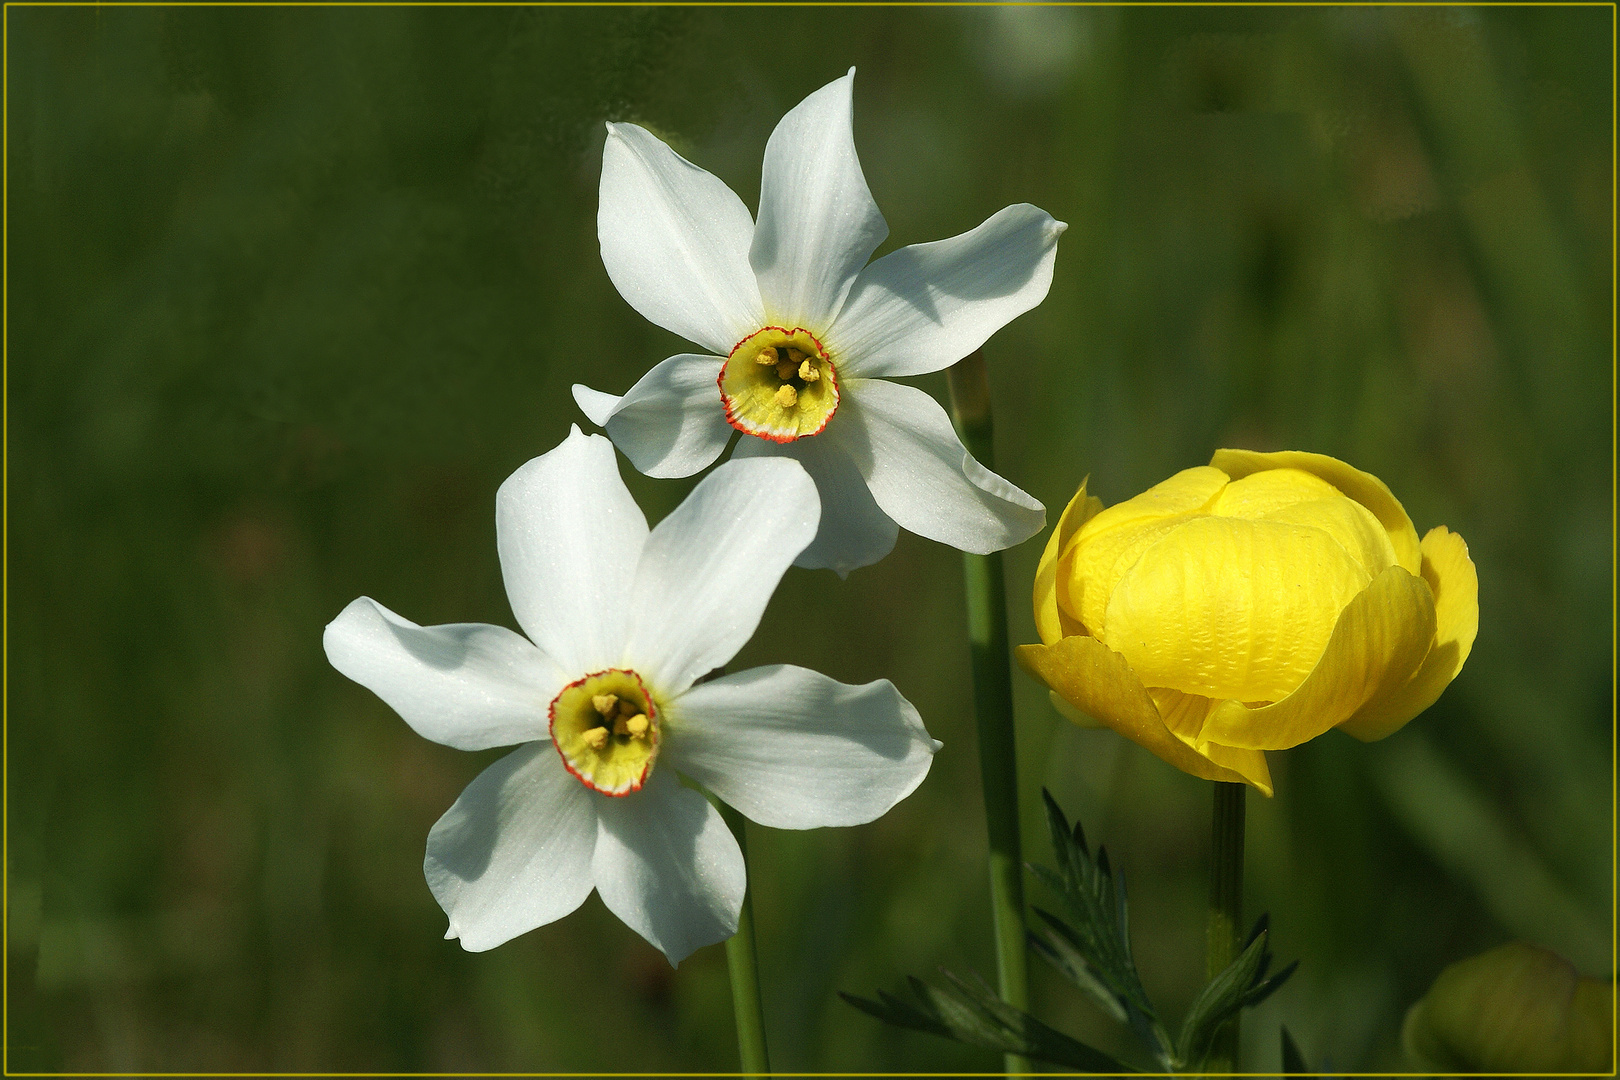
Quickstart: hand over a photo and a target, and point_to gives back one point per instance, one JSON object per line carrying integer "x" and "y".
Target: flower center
{"x": 779, "y": 385}
{"x": 605, "y": 726}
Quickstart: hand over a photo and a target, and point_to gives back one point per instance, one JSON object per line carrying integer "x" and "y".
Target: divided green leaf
{"x": 968, "y": 1011}
{"x": 1092, "y": 948}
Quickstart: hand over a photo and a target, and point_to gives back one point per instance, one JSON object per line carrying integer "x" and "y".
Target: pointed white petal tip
{"x": 596, "y": 405}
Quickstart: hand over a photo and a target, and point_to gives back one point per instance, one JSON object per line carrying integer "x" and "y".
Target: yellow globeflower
{"x": 1250, "y": 605}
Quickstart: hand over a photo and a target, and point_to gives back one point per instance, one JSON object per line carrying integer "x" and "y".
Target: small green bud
{"x": 1516, "y": 1008}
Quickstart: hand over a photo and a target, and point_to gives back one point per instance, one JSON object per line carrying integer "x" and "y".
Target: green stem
{"x": 992, "y": 704}
{"x": 744, "y": 967}
{"x": 1226, "y": 907}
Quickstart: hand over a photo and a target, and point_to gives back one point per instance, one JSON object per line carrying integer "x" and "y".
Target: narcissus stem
{"x": 744, "y": 967}
{"x": 1225, "y": 907}
{"x": 992, "y": 704}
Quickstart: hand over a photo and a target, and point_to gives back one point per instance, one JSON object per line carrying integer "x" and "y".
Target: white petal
{"x": 854, "y": 530}
{"x": 921, "y": 476}
{"x": 465, "y": 685}
{"x": 924, "y": 307}
{"x": 817, "y": 222}
{"x": 709, "y": 568}
{"x": 514, "y": 852}
{"x": 672, "y": 422}
{"x": 667, "y": 865}
{"x": 792, "y": 749}
{"x": 569, "y": 536}
{"x": 595, "y": 404}
{"x": 675, "y": 241}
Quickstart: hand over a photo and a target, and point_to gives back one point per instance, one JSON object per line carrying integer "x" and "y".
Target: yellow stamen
{"x": 789, "y": 393}
{"x": 637, "y": 725}
{"x": 590, "y": 727}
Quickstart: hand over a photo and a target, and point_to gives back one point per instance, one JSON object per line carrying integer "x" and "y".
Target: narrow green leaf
{"x": 1031, "y": 1036}
{"x": 1219, "y": 1002}
{"x": 1265, "y": 988}
{"x": 1057, "y": 825}
{"x": 970, "y": 1012}
{"x": 1293, "y": 1062}
{"x": 896, "y": 1012}
{"x": 969, "y": 1020}
{"x": 1060, "y": 952}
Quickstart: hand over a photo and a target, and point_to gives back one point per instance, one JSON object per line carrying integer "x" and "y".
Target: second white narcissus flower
{"x": 603, "y": 697}
{"x": 806, "y": 334}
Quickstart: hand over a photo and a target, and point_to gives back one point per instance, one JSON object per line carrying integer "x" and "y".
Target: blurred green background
{"x": 292, "y": 291}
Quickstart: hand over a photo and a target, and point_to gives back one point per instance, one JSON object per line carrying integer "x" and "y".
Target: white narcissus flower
{"x": 603, "y": 697}
{"x": 806, "y": 334}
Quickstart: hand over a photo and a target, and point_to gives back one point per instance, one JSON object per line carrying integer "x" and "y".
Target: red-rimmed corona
{"x": 779, "y": 384}
{"x": 605, "y": 726}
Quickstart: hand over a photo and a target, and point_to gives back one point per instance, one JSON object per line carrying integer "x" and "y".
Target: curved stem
{"x": 993, "y": 707}
{"x": 743, "y": 964}
{"x": 1226, "y": 907}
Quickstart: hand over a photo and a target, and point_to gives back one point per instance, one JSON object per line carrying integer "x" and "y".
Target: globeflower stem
{"x": 743, "y": 964}
{"x": 1226, "y": 907}
{"x": 969, "y": 383}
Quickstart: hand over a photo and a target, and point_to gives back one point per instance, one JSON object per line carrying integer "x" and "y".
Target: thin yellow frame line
{"x": 5, "y": 539}
{"x": 803, "y": 3}
{"x": 5, "y": 429}
{"x": 838, "y": 1074}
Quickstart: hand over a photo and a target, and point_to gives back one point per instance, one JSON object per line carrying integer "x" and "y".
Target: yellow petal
{"x": 1260, "y": 493}
{"x": 1348, "y": 522}
{"x": 1109, "y": 542}
{"x": 1051, "y": 623}
{"x": 1187, "y": 492}
{"x": 1379, "y": 641}
{"x": 1184, "y": 715}
{"x": 1451, "y": 577}
{"x": 1249, "y": 764}
{"x": 1098, "y": 681}
{"x": 1072, "y": 714}
{"x": 1365, "y": 488}
{"x": 1090, "y": 571}
{"x": 1227, "y": 608}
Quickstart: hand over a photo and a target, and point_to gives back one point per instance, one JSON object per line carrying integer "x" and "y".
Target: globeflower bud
{"x": 1250, "y": 605}
{"x": 1514, "y": 1009}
